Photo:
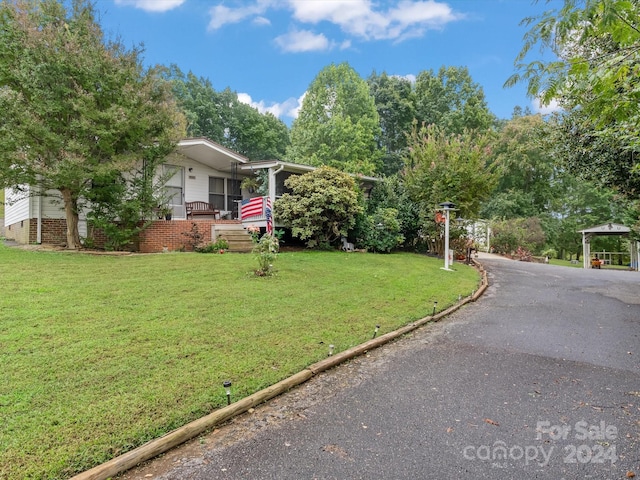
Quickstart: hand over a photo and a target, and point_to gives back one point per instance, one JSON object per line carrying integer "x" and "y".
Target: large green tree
{"x": 338, "y": 124}
{"x": 221, "y": 117}
{"x": 603, "y": 159}
{"x": 74, "y": 106}
{"x": 451, "y": 100}
{"x": 594, "y": 74}
{"x": 527, "y": 175}
{"x": 395, "y": 102}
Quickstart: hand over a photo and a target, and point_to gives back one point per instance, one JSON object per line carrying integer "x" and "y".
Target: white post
{"x": 447, "y": 207}
{"x": 446, "y": 239}
{"x": 586, "y": 253}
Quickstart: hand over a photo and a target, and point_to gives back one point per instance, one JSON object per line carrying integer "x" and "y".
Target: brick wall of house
{"x": 172, "y": 235}
{"x": 54, "y": 231}
{"x": 96, "y": 237}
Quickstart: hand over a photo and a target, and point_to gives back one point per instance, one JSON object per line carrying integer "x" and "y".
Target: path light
{"x": 435, "y": 305}
{"x": 227, "y": 387}
{"x": 375, "y": 332}
{"x": 459, "y": 297}
{"x": 331, "y": 347}
{"x": 447, "y": 207}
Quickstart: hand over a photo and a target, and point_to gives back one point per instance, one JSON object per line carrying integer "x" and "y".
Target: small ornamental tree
{"x": 322, "y": 207}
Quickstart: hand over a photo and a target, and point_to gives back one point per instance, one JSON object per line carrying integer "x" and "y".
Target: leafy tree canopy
{"x": 594, "y": 77}
{"x": 74, "y": 106}
{"x": 453, "y": 168}
{"x": 395, "y": 102}
{"x": 527, "y": 175}
{"x": 221, "y": 117}
{"x": 604, "y": 160}
{"x": 451, "y": 100}
{"x": 338, "y": 124}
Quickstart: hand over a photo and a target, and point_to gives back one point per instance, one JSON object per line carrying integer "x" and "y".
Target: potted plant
{"x": 250, "y": 183}
{"x": 166, "y": 212}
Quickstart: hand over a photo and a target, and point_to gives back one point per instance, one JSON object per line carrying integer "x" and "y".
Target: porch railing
{"x": 253, "y": 209}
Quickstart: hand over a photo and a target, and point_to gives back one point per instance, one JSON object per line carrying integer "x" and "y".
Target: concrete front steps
{"x": 237, "y": 236}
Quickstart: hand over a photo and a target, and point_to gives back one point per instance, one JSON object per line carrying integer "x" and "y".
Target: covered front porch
{"x": 256, "y": 209}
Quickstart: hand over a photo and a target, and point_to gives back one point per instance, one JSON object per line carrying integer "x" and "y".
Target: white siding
{"x": 196, "y": 182}
{"x": 52, "y": 205}
{"x": 17, "y": 206}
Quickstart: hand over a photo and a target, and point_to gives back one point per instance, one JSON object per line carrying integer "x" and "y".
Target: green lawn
{"x": 99, "y": 354}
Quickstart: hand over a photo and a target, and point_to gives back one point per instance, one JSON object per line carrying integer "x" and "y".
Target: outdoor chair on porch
{"x": 201, "y": 208}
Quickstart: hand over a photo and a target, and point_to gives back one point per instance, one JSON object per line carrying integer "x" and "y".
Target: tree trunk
{"x": 71, "y": 213}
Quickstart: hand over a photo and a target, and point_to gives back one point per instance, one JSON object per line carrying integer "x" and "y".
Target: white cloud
{"x": 289, "y": 108}
{"x": 221, "y": 15}
{"x": 552, "y": 107}
{"x": 356, "y": 18}
{"x": 303, "y": 41}
{"x": 410, "y": 77}
{"x": 152, "y": 5}
{"x": 261, "y": 21}
{"x": 359, "y": 19}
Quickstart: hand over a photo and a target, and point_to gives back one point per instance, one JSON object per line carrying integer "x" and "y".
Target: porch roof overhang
{"x": 294, "y": 168}
{"x": 606, "y": 229}
{"x": 210, "y": 153}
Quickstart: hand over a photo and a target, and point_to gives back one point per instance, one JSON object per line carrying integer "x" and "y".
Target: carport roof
{"x": 607, "y": 229}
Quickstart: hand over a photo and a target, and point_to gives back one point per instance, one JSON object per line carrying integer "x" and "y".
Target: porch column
{"x": 272, "y": 184}
{"x": 635, "y": 255}
{"x": 586, "y": 250}
{"x": 273, "y": 172}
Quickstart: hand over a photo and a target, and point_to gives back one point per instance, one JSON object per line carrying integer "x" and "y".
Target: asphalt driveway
{"x": 538, "y": 379}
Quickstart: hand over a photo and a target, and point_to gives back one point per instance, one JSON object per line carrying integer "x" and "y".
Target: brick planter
{"x": 172, "y": 235}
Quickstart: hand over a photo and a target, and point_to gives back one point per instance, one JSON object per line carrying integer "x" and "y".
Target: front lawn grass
{"x": 99, "y": 354}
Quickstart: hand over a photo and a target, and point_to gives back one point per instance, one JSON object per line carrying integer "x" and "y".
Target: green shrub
{"x": 220, "y": 245}
{"x": 322, "y": 207}
{"x": 384, "y": 232}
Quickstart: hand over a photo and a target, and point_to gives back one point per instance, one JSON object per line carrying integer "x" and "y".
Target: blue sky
{"x": 269, "y": 51}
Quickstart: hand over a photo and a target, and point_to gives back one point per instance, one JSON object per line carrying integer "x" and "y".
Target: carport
{"x": 605, "y": 230}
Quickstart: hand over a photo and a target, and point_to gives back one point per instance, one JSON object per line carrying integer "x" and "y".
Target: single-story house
{"x": 205, "y": 189}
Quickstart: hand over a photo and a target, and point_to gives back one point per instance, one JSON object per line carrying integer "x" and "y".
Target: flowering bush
{"x": 254, "y": 232}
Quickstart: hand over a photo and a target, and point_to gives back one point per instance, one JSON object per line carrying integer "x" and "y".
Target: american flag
{"x": 251, "y": 207}
{"x": 269, "y": 216}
